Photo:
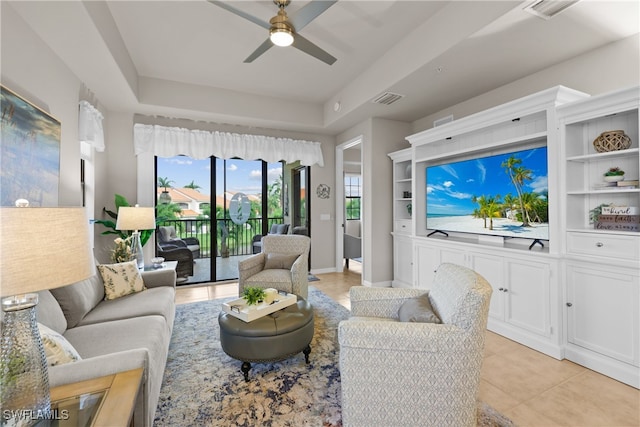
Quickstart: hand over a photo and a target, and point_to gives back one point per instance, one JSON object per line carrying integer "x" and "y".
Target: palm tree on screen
{"x": 518, "y": 175}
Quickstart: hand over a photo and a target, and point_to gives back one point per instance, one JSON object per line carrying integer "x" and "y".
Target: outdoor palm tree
{"x": 164, "y": 183}
{"x": 274, "y": 197}
{"x": 192, "y": 185}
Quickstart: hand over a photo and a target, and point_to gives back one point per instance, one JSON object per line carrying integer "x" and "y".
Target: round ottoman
{"x": 274, "y": 337}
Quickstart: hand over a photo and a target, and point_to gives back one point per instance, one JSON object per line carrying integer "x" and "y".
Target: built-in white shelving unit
{"x": 402, "y": 218}
{"x": 602, "y": 266}
{"x": 576, "y": 297}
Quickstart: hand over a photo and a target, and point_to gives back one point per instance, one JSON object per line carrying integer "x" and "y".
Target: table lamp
{"x": 40, "y": 248}
{"x": 136, "y": 219}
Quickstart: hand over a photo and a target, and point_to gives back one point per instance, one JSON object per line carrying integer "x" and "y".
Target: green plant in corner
{"x": 110, "y": 224}
{"x": 253, "y": 295}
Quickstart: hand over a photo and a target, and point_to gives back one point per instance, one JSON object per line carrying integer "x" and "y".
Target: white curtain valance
{"x": 90, "y": 126}
{"x": 165, "y": 141}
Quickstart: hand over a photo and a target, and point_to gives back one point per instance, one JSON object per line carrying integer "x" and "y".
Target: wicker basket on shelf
{"x": 611, "y": 140}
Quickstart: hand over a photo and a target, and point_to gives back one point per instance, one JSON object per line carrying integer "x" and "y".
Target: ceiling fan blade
{"x": 309, "y": 12}
{"x": 306, "y": 46}
{"x": 259, "y": 51}
{"x": 241, "y": 14}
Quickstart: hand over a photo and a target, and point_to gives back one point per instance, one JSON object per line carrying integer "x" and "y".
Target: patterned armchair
{"x": 414, "y": 374}
{"x": 282, "y": 264}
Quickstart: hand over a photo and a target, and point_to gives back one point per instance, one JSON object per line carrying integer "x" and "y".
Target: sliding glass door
{"x": 247, "y": 200}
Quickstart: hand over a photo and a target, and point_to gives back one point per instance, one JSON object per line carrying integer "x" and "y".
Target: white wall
{"x": 611, "y": 67}
{"x": 379, "y": 137}
{"x": 34, "y": 72}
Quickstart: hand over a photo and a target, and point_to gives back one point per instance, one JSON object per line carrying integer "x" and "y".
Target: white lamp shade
{"x": 43, "y": 248}
{"x": 136, "y": 218}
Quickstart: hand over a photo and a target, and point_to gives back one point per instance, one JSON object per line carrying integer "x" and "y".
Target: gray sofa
{"x": 114, "y": 335}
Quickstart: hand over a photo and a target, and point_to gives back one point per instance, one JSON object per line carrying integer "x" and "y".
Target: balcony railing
{"x": 239, "y": 237}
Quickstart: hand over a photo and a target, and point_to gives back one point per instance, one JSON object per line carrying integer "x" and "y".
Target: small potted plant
{"x": 594, "y": 214}
{"x": 253, "y": 295}
{"x": 614, "y": 175}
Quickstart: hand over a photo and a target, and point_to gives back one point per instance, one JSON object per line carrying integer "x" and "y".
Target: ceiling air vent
{"x": 546, "y": 9}
{"x": 387, "y": 98}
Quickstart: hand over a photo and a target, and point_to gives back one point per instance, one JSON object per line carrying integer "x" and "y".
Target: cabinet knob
{"x": 501, "y": 289}
{"x": 505, "y": 290}
{"x": 599, "y": 244}
{"x": 569, "y": 304}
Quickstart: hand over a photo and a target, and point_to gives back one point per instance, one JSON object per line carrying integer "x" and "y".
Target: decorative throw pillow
{"x": 418, "y": 309}
{"x": 56, "y": 347}
{"x": 121, "y": 279}
{"x": 280, "y": 261}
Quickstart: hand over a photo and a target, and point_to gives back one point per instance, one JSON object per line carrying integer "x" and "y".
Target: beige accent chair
{"x": 397, "y": 373}
{"x": 282, "y": 264}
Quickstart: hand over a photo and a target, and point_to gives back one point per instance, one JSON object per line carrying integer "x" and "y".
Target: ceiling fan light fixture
{"x": 281, "y": 36}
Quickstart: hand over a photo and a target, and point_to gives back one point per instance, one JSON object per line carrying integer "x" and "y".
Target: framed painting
{"x": 29, "y": 152}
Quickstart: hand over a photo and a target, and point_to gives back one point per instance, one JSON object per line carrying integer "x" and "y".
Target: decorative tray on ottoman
{"x": 239, "y": 308}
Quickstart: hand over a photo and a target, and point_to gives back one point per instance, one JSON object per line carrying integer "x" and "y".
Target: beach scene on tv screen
{"x": 502, "y": 195}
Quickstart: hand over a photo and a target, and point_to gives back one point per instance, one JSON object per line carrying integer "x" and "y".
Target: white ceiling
{"x": 185, "y": 58}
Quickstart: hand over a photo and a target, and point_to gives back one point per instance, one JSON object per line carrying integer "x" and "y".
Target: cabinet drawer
{"x": 625, "y": 247}
{"x": 403, "y": 226}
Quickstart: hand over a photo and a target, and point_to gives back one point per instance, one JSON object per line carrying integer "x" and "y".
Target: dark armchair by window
{"x": 167, "y": 236}
{"x": 174, "y": 252}
{"x": 275, "y": 229}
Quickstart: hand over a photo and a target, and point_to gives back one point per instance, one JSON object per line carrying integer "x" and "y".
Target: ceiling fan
{"x": 285, "y": 30}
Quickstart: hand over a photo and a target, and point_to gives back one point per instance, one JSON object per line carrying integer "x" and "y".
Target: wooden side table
{"x": 107, "y": 401}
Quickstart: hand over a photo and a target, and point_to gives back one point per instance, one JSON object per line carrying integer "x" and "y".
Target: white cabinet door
{"x": 427, "y": 259}
{"x": 402, "y": 261}
{"x": 526, "y": 289}
{"x": 602, "y": 311}
{"x": 453, "y": 256}
{"x": 430, "y": 257}
{"x": 491, "y": 267}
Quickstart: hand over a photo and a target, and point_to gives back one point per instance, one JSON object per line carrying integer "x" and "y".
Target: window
{"x": 352, "y": 192}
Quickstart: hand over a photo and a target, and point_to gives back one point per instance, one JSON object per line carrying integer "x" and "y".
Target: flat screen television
{"x": 499, "y": 195}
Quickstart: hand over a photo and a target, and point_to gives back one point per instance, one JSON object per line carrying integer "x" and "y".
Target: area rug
{"x": 203, "y": 386}
{"x": 312, "y": 278}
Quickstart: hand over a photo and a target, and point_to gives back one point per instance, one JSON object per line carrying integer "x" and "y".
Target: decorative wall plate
{"x": 323, "y": 191}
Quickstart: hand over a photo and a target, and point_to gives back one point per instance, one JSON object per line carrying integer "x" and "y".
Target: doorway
{"x": 300, "y": 215}
{"x": 348, "y": 163}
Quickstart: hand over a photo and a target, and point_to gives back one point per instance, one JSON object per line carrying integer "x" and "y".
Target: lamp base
{"x": 24, "y": 378}
{"x": 136, "y": 249}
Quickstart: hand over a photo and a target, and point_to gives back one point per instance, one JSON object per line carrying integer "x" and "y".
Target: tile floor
{"x": 527, "y": 386}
